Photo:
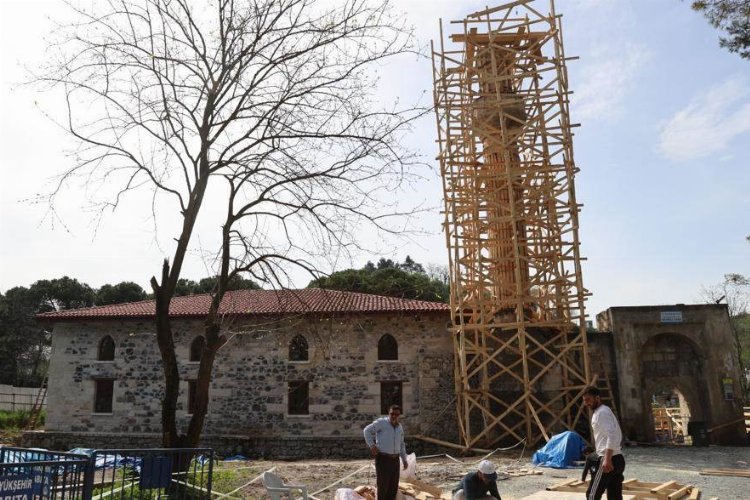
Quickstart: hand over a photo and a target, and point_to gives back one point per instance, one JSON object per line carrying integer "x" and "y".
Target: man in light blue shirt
{"x": 385, "y": 438}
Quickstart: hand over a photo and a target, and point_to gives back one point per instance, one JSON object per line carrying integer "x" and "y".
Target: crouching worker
{"x": 478, "y": 485}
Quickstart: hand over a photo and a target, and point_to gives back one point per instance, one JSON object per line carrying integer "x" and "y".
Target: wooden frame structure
{"x": 506, "y": 157}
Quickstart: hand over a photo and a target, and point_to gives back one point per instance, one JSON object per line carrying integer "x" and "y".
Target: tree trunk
{"x": 170, "y": 438}
{"x": 200, "y": 408}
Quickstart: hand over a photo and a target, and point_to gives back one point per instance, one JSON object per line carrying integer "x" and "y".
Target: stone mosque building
{"x": 304, "y": 371}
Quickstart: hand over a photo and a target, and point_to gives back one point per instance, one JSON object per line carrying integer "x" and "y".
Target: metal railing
{"x": 181, "y": 473}
{"x": 35, "y": 474}
{"x": 184, "y": 473}
{"x": 13, "y": 401}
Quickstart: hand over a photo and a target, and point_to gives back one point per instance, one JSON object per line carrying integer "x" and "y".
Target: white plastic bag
{"x": 347, "y": 494}
{"x": 411, "y": 468}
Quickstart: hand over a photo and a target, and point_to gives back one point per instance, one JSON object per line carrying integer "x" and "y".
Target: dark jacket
{"x": 474, "y": 487}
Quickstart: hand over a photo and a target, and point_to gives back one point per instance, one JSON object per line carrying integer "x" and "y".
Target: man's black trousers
{"x": 611, "y": 482}
{"x": 387, "y": 470}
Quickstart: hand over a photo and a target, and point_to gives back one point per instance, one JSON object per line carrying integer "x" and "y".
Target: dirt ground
{"x": 652, "y": 464}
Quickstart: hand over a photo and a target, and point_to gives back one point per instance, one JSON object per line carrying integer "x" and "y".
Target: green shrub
{"x": 19, "y": 419}
{"x": 14, "y": 419}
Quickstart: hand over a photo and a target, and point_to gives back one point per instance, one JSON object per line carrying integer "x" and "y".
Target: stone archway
{"x": 672, "y": 362}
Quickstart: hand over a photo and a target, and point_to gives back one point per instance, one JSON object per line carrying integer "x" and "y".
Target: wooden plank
{"x": 663, "y": 486}
{"x": 567, "y": 495}
{"x": 695, "y": 494}
{"x": 682, "y": 492}
{"x": 567, "y": 482}
{"x": 725, "y": 472}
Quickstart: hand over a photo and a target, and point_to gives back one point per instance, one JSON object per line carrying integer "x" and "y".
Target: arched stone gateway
{"x": 671, "y": 362}
{"x": 686, "y": 349}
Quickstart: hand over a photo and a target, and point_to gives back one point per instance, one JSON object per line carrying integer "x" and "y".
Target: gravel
{"x": 658, "y": 464}
{"x": 649, "y": 464}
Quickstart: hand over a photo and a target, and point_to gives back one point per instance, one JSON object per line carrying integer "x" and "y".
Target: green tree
{"x": 62, "y": 293}
{"x": 236, "y": 282}
{"x": 406, "y": 280}
{"x": 209, "y": 285}
{"x": 19, "y": 336}
{"x": 125, "y": 291}
{"x": 731, "y": 17}
{"x": 24, "y": 344}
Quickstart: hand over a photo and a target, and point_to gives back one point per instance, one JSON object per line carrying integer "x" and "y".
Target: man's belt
{"x": 389, "y": 455}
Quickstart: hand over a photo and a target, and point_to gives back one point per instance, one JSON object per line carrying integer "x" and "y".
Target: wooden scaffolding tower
{"x": 501, "y": 98}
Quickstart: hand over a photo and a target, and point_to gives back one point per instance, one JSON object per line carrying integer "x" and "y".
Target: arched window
{"x": 387, "y": 348}
{"x": 106, "y": 349}
{"x": 298, "y": 350}
{"x": 196, "y": 348}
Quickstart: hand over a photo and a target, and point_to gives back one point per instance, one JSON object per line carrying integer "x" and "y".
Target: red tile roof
{"x": 255, "y": 302}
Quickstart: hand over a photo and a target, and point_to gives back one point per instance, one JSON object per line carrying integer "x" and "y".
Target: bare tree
{"x": 734, "y": 291}
{"x": 266, "y": 105}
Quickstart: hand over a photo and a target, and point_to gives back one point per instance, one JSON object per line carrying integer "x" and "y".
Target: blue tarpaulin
{"x": 561, "y": 451}
{"x": 105, "y": 460}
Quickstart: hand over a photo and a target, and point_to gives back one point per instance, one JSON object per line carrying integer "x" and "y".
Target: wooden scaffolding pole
{"x": 506, "y": 157}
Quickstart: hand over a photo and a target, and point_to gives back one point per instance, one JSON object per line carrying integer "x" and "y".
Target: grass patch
{"x": 19, "y": 419}
{"x": 10, "y": 420}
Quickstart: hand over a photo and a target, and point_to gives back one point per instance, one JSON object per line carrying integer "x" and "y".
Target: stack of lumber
{"x": 726, "y": 472}
{"x": 671, "y": 490}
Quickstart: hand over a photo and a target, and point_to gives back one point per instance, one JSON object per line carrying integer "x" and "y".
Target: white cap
{"x": 487, "y": 467}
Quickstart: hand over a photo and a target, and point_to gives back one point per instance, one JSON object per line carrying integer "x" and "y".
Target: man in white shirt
{"x": 385, "y": 438}
{"x": 608, "y": 442}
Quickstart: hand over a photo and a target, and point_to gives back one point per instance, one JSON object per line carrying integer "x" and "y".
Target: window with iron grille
{"x": 391, "y": 393}
{"x": 299, "y": 398}
{"x": 103, "y": 395}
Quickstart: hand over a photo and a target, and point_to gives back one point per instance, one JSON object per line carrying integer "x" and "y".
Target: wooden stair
{"x": 36, "y": 409}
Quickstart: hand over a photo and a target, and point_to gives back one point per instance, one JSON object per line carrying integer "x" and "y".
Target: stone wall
{"x": 278, "y": 448}
{"x": 249, "y": 386}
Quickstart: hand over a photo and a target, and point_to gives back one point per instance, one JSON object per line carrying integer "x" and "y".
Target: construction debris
{"x": 367, "y": 492}
{"x": 671, "y": 490}
{"x": 420, "y": 490}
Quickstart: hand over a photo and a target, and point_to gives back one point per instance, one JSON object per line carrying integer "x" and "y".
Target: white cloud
{"x": 606, "y": 81}
{"x": 709, "y": 123}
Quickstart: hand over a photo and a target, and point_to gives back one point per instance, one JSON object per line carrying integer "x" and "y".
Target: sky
{"x": 663, "y": 152}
